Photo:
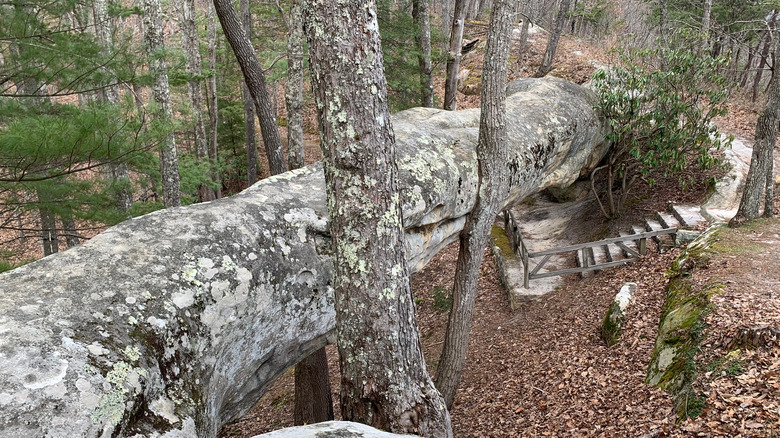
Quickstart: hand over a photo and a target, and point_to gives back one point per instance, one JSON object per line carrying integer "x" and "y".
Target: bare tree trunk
{"x": 446, "y": 22}
{"x": 249, "y": 109}
{"x": 746, "y": 73}
{"x": 705, "y": 24}
{"x": 763, "y": 59}
{"x": 422, "y": 20}
{"x": 663, "y": 5}
{"x": 118, "y": 172}
{"x": 492, "y": 156}
{"x": 155, "y": 47}
{"x": 759, "y": 184}
{"x": 211, "y": 87}
{"x": 384, "y": 382}
{"x": 552, "y": 44}
{"x": 313, "y": 400}
{"x": 255, "y": 80}
{"x": 453, "y": 63}
{"x": 191, "y": 48}
{"x": 49, "y": 244}
{"x": 293, "y": 96}
{"x": 69, "y": 228}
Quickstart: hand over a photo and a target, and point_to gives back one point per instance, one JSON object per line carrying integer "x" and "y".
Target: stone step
{"x": 667, "y": 220}
{"x": 688, "y": 215}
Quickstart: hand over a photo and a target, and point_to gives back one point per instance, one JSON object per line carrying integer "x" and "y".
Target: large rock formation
{"x": 176, "y": 322}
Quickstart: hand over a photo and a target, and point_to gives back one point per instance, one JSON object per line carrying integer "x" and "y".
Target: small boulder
{"x": 332, "y": 429}
{"x": 616, "y": 315}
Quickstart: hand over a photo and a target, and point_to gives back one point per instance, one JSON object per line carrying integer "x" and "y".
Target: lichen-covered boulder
{"x": 174, "y": 323}
{"x": 331, "y": 429}
{"x": 612, "y": 326}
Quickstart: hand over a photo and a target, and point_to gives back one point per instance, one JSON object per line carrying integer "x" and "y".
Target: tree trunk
{"x": 118, "y": 172}
{"x": 705, "y": 25}
{"x": 49, "y": 243}
{"x": 422, "y": 20}
{"x": 453, "y": 63}
{"x": 313, "y": 401}
{"x": 746, "y": 73}
{"x": 191, "y": 48}
{"x": 69, "y": 228}
{"x": 155, "y": 47}
{"x": 759, "y": 184}
{"x": 446, "y": 22}
{"x": 663, "y": 6}
{"x": 763, "y": 59}
{"x": 293, "y": 96}
{"x": 384, "y": 382}
{"x": 255, "y": 80}
{"x": 211, "y": 87}
{"x": 492, "y": 156}
{"x": 552, "y": 44}
{"x": 249, "y": 109}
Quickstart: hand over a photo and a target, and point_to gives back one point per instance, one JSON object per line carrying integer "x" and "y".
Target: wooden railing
{"x": 521, "y": 250}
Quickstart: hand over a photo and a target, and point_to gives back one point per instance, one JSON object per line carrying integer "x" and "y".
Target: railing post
{"x": 643, "y": 246}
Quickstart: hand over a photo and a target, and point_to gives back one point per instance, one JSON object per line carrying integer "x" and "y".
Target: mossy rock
{"x": 681, "y": 329}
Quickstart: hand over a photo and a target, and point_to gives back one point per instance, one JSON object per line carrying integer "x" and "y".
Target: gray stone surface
{"x": 612, "y": 327}
{"x": 174, "y": 323}
{"x": 689, "y": 216}
{"x": 331, "y": 429}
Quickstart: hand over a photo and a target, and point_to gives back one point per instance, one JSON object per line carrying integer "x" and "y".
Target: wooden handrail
{"x": 605, "y": 241}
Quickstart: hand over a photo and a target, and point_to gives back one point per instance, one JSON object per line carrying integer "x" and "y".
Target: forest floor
{"x": 543, "y": 370}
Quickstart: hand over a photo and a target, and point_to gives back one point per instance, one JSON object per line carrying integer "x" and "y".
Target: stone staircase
{"x": 687, "y": 219}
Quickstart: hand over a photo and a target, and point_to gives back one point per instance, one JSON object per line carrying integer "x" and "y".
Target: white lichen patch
{"x": 183, "y": 299}
{"x": 97, "y": 349}
{"x": 51, "y": 374}
{"x": 132, "y": 352}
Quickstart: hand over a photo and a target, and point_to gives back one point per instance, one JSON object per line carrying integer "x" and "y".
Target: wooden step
{"x": 689, "y": 216}
{"x": 614, "y": 253}
{"x": 600, "y": 254}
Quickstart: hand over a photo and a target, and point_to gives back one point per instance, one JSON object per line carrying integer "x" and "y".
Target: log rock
{"x": 173, "y": 323}
{"x": 331, "y": 429}
{"x": 612, "y": 326}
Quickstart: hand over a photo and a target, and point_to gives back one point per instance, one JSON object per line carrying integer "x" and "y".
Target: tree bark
{"x": 155, "y": 47}
{"x": 422, "y": 20}
{"x": 705, "y": 24}
{"x": 118, "y": 172}
{"x": 313, "y": 400}
{"x": 492, "y": 156}
{"x": 759, "y": 183}
{"x": 249, "y": 109}
{"x": 384, "y": 382}
{"x": 211, "y": 88}
{"x": 191, "y": 48}
{"x": 453, "y": 63}
{"x": 552, "y": 44}
{"x": 255, "y": 80}
{"x": 446, "y": 22}
{"x": 763, "y": 57}
{"x": 293, "y": 96}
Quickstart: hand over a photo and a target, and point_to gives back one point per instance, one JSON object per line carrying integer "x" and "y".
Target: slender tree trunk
{"x": 749, "y": 65}
{"x": 249, "y": 109}
{"x": 313, "y": 401}
{"x": 191, "y": 48}
{"x": 49, "y": 243}
{"x": 155, "y": 48}
{"x": 293, "y": 96}
{"x": 211, "y": 87}
{"x": 453, "y": 63}
{"x": 759, "y": 184}
{"x": 764, "y": 56}
{"x": 492, "y": 155}
{"x": 705, "y": 25}
{"x": 384, "y": 382}
{"x": 663, "y": 6}
{"x": 69, "y": 229}
{"x": 255, "y": 80}
{"x": 118, "y": 172}
{"x": 552, "y": 44}
{"x": 446, "y": 22}
{"x": 422, "y": 20}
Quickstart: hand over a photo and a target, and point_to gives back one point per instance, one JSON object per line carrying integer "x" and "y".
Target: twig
{"x": 539, "y": 389}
